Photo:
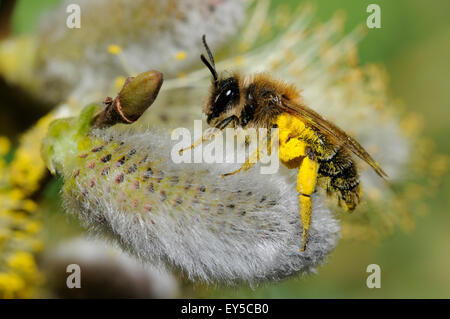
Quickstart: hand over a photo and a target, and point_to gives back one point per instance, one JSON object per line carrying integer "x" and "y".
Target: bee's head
{"x": 221, "y": 106}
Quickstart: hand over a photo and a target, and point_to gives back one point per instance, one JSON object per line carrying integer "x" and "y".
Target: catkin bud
{"x": 137, "y": 94}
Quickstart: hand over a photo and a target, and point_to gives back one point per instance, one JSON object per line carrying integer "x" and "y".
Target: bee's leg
{"x": 251, "y": 160}
{"x": 210, "y": 133}
{"x": 306, "y": 184}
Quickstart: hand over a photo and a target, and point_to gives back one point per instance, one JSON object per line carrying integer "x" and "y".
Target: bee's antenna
{"x": 211, "y": 58}
{"x": 210, "y": 64}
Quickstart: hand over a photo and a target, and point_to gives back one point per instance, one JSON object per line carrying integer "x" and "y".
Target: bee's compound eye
{"x": 223, "y": 98}
{"x": 228, "y": 94}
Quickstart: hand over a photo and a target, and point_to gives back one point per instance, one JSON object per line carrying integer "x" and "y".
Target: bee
{"x": 320, "y": 150}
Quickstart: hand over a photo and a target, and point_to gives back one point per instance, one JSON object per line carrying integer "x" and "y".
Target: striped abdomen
{"x": 342, "y": 177}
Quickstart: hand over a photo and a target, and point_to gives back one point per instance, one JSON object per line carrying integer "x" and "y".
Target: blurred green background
{"x": 414, "y": 46}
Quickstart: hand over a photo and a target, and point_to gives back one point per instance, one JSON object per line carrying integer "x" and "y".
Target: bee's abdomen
{"x": 343, "y": 178}
{"x": 336, "y": 164}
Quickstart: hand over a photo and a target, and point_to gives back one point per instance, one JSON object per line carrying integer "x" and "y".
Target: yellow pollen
{"x": 239, "y": 60}
{"x": 114, "y": 49}
{"x": 119, "y": 82}
{"x": 5, "y": 145}
{"x": 181, "y": 55}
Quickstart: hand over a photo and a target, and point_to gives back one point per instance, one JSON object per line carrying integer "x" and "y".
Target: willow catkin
{"x": 163, "y": 34}
{"x": 116, "y": 38}
{"x": 245, "y": 228}
{"x": 107, "y": 272}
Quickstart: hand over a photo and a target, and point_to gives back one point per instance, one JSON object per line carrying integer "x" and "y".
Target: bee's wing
{"x": 329, "y": 129}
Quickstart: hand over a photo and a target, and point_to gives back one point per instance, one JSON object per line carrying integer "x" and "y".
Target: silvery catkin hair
{"x": 245, "y": 228}
{"x": 150, "y": 34}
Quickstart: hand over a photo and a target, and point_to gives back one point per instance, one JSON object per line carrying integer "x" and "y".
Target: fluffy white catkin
{"x": 144, "y": 35}
{"x": 107, "y": 272}
{"x": 245, "y": 228}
